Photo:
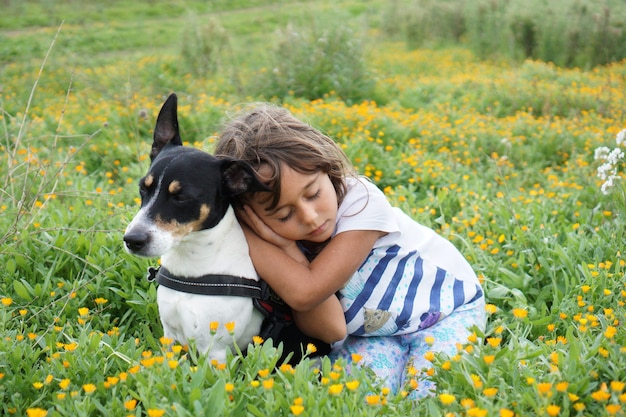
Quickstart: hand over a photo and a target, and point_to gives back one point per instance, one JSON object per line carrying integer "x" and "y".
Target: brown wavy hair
{"x": 265, "y": 134}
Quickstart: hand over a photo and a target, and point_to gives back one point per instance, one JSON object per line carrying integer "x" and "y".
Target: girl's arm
{"x": 325, "y": 322}
{"x": 303, "y": 286}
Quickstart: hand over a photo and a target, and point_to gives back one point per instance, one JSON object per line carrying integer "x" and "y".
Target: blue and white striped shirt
{"x": 412, "y": 277}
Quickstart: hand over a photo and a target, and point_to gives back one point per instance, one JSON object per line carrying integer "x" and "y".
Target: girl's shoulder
{"x": 361, "y": 192}
{"x": 365, "y": 207}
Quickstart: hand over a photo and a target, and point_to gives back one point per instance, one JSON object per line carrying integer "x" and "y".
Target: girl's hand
{"x": 254, "y": 222}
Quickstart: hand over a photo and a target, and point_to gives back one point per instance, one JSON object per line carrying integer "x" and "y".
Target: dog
{"x": 188, "y": 219}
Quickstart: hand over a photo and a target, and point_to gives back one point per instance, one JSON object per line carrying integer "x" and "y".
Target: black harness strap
{"x": 210, "y": 284}
{"x": 278, "y": 324}
{"x": 276, "y": 312}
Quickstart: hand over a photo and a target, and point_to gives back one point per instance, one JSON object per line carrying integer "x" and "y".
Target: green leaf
{"x": 255, "y": 411}
{"x": 10, "y": 266}
{"x": 22, "y": 290}
{"x": 195, "y": 394}
{"x": 217, "y": 396}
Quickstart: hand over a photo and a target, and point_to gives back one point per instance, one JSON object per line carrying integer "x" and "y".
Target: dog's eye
{"x": 181, "y": 198}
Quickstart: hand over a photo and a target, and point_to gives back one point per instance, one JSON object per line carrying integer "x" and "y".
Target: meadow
{"x": 497, "y": 153}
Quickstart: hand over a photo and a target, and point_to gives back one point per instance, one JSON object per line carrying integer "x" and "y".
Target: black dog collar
{"x": 210, "y": 284}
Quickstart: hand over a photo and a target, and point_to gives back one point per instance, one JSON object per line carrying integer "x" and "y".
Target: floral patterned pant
{"x": 390, "y": 356}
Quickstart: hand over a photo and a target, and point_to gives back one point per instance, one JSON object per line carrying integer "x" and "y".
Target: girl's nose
{"x": 308, "y": 214}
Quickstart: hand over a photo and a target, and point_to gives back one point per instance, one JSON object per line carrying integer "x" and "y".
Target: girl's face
{"x": 307, "y": 209}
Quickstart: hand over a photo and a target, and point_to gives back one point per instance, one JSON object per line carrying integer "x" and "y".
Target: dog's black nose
{"x": 136, "y": 241}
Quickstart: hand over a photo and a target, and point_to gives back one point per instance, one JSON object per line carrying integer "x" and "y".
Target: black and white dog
{"x": 187, "y": 219}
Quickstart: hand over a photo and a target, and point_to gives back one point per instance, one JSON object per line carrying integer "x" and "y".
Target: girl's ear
{"x": 238, "y": 177}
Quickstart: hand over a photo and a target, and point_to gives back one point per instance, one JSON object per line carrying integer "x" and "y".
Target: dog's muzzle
{"x": 136, "y": 241}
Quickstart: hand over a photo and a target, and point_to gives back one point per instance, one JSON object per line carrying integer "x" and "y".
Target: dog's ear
{"x": 166, "y": 129}
{"x": 238, "y": 177}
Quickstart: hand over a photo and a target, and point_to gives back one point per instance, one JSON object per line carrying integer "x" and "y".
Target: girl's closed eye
{"x": 316, "y": 195}
{"x": 285, "y": 218}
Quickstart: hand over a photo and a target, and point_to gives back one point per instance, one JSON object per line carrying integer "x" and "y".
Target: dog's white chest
{"x": 187, "y": 316}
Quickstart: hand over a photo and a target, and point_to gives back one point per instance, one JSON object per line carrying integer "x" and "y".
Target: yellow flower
{"x": 372, "y": 399}
{"x": 70, "y": 347}
{"x": 296, "y": 409}
{"x": 468, "y": 403}
{"x": 446, "y": 399}
{"x": 494, "y": 341}
{"x": 166, "y": 341}
{"x": 429, "y": 340}
{"x": 64, "y": 383}
{"x": 613, "y": 409}
{"x": 335, "y": 389}
{"x": 505, "y": 412}
{"x": 520, "y": 313}
{"x": 155, "y": 412}
{"x": 229, "y": 387}
{"x": 553, "y": 410}
{"x": 101, "y": 300}
{"x": 353, "y": 385}
{"x": 37, "y": 385}
{"x": 311, "y": 348}
{"x": 490, "y": 392}
{"x": 573, "y": 397}
{"x": 83, "y": 311}
{"x": 172, "y": 364}
{"x": 148, "y": 362}
{"x": 36, "y": 412}
{"x": 130, "y": 404}
{"x": 610, "y": 332}
{"x": 491, "y": 308}
{"x": 600, "y": 395}
{"x": 6, "y": 301}
{"x": 478, "y": 383}
{"x": 476, "y": 412}
{"x": 213, "y": 327}
{"x": 562, "y": 386}
{"x": 89, "y": 388}
{"x": 554, "y": 358}
{"x": 429, "y": 356}
{"x": 617, "y": 386}
{"x": 489, "y": 359}
{"x": 268, "y": 383}
{"x": 544, "y": 388}
{"x": 230, "y": 327}
{"x": 257, "y": 340}
{"x": 263, "y": 373}
{"x": 356, "y": 358}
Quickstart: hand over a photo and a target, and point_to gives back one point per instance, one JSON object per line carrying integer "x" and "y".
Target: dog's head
{"x": 185, "y": 190}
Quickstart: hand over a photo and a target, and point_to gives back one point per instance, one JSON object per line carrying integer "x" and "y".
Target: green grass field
{"x": 497, "y": 154}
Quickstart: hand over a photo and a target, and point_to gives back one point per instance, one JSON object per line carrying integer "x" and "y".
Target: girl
{"x": 346, "y": 261}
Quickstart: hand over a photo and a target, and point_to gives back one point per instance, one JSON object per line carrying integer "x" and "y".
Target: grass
{"x": 499, "y": 157}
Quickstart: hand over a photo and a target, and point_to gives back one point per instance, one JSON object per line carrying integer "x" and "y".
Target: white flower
{"x": 601, "y": 153}
{"x": 608, "y": 171}
{"x": 619, "y": 139}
